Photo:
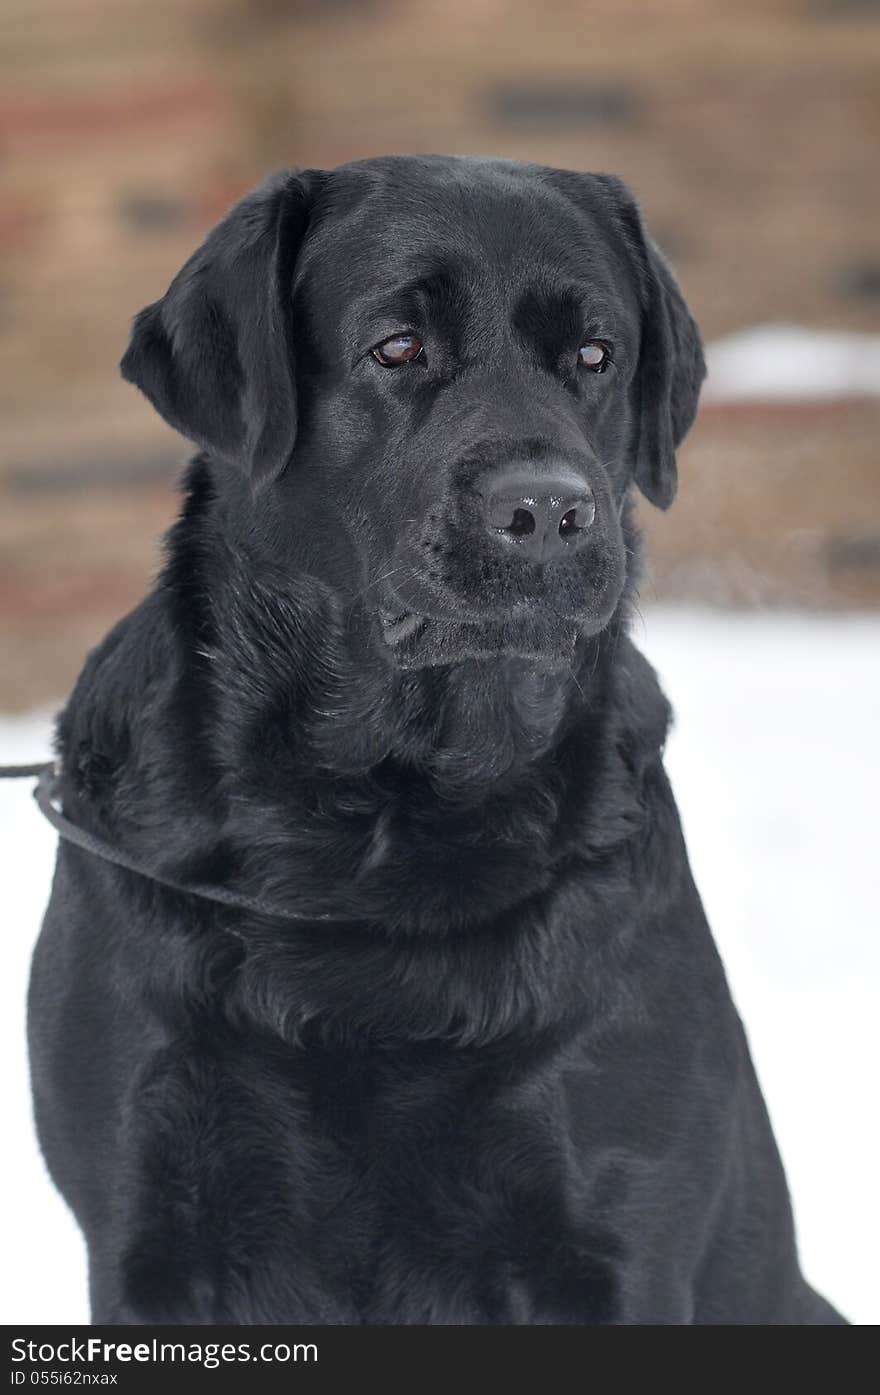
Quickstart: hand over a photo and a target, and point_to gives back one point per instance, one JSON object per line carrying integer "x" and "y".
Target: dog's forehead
{"x": 379, "y": 224}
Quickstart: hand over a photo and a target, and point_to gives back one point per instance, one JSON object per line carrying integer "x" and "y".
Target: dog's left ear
{"x": 671, "y": 367}
{"x": 215, "y": 354}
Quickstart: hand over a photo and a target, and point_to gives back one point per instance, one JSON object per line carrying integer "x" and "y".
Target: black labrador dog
{"x": 467, "y": 1054}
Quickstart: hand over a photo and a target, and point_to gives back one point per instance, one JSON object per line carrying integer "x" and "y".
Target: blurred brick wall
{"x": 749, "y": 132}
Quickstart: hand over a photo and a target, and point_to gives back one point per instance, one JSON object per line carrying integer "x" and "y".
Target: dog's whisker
{"x": 377, "y": 581}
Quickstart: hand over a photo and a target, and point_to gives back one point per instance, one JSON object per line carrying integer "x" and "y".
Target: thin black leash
{"x": 46, "y": 793}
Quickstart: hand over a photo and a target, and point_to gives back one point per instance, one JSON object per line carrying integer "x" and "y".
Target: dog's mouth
{"x": 424, "y": 641}
{"x": 543, "y": 623}
{"x": 398, "y": 625}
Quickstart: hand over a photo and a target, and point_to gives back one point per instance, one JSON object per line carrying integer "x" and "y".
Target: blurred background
{"x": 750, "y": 132}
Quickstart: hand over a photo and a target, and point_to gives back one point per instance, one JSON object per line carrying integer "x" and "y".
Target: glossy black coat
{"x": 508, "y": 1085}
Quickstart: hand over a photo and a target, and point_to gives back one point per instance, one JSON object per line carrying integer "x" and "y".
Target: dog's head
{"x": 442, "y": 376}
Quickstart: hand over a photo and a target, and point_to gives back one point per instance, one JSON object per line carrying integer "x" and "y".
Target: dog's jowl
{"x": 462, "y": 1050}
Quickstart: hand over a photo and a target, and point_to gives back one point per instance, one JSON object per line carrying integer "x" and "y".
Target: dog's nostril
{"x": 522, "y": 524}
{"x": 542, "y": 517}
{"x": 577, "y": 519}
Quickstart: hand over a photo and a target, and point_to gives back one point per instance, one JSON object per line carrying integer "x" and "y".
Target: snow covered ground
{"x": 776, "y": 767}
{"x": 790, "y": 363}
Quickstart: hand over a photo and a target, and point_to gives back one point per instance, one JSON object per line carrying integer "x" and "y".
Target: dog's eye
{"x": 400, "y": 348}
{"x": 594, "y": 355}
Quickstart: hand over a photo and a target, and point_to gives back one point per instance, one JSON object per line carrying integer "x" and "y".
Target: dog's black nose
{"x": 543, "y": 516}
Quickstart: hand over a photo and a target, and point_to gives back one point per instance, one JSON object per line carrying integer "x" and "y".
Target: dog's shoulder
{"x": 99, "y": 724}
{"x": 642, "y": 708}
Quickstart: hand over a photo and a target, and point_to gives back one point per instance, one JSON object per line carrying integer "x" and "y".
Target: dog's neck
{"x": 297, "y": 672}
{"x": 296, "y": 662}
{"x": 255, "y": 738}
{"x": 338, "y": 776}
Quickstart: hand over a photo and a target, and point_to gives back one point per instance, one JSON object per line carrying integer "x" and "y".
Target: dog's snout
{"x": 544, "y": 516}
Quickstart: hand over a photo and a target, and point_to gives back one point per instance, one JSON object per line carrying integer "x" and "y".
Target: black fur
{"x": 507, "y": 1084}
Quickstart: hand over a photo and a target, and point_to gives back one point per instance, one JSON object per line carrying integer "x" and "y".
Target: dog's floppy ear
{"x": 215, "y": 354}
{"x": 671, "y": 367}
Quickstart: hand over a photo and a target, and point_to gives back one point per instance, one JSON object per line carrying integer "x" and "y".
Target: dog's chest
{"x": 432, "y": 1196}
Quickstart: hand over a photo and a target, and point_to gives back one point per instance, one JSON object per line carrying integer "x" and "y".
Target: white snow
{"x": 792, "y": 363}
{"x": 775, "y": 764}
